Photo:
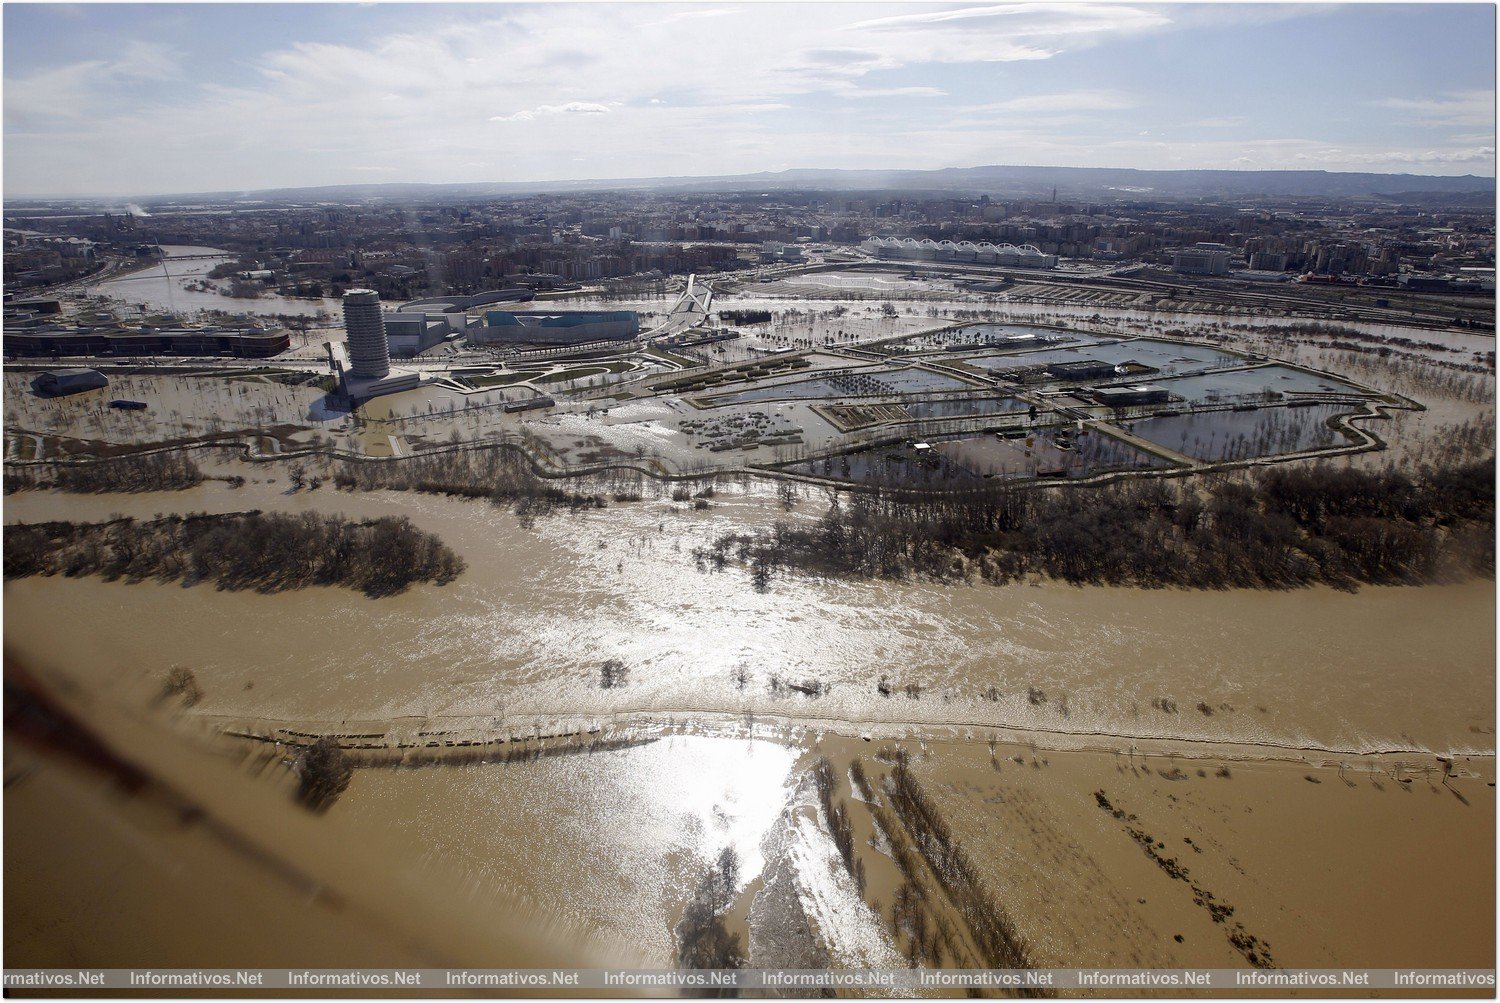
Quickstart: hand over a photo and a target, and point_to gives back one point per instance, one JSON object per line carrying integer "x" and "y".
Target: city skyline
{"x": 172, "y": 98}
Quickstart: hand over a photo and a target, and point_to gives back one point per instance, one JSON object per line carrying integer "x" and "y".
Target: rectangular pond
{"x": 1258, "y": 383}
{"x": 965, "y": 407}
{"x": 1220, "y": 436}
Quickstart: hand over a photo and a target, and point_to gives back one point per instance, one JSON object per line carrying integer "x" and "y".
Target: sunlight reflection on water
{"x": 615, "y": 840}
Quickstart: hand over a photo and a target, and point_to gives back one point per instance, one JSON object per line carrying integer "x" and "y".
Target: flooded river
{"x": 521, "y": 637}
{"x": 164, "y": 287}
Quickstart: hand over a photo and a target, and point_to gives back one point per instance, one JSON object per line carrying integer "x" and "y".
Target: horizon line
{"x": 668, "y": 178}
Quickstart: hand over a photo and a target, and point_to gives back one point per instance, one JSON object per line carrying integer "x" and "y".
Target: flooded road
{"x": 520, "y": 638}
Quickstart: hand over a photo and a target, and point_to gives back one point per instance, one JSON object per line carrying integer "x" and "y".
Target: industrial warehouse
{"x": 121, "y": 341}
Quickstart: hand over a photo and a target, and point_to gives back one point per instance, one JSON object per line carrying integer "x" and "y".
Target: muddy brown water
{"x": 523, "y": 633}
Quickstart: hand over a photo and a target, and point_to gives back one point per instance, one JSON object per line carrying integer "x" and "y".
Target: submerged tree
{"x": 181, "y": 682}
{"x": 703, "y": 939}
{"x": 325, "y": 774}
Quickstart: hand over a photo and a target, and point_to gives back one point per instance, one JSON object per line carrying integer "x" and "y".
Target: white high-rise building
{"x": 369, "y": 349}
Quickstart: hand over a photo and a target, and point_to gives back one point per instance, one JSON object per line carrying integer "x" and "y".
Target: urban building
{"x": 1202, "y": 259}
{"x": 364, "y": 326}
{"x": 458, "y": 304}
{"x": 774, "y": 251}
{"x": 1268, "y": 261}
{"x": 363, "y": 365}
{"x": 1082, "y": 369}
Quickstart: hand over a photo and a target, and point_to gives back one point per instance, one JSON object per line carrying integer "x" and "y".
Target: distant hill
{"x": 1072, "y": 183}
{"x": 1127, "y": 182}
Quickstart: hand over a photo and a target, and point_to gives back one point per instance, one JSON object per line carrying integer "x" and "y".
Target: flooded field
{"x": 1235, "y": 435}
{"x": 1047, "y": 453}
{"x": 1279, "y": 746}
{"x": 960, "y": 458}
{"x": 521, "y": 636}
{"x": 613, "y": 842}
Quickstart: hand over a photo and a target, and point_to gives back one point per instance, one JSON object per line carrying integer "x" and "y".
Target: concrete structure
{"x": 458, "y": 304}
{"x": 361, "y": 388}
{"x": 558, "y": 327}
{"x": 40, "y": 305}
{"x": 966, "y": 251}
{"x": 61, "y": 382}
{"x": 411, "y": 334}
{"x": 1202, "y": 259}
{"x": 369, "y": 350}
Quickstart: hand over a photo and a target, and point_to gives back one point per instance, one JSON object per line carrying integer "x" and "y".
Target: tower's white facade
{"x": 369, "y": 349}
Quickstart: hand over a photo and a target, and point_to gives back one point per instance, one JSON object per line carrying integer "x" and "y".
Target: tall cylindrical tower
{"x": 369, "y": 350}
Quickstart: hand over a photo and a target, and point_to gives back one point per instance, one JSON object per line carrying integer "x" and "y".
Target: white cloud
{"x": 627, "y": 90}
{"x": 894, "y": 92}
{"x": 571, "y": 108}
{"x": 75, "y": 90}
{"x": 695, "y": 15}
{"x": 1219, "y": 122}
{"x": 1481, "y": 156}
{"x": 1455, "y": 108}
{"x": 1028, "y": 19}
{"x": 1061, "y": 102}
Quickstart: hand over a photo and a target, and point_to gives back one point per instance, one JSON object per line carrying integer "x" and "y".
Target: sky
{"x": 120, "y": 99}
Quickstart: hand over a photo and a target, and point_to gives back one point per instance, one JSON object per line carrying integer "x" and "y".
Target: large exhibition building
{"x": 555, "y": 327}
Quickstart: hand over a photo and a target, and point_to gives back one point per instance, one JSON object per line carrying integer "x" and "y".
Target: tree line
{"x": 839, "y": 825}
{"x": 1280, "y": 529}
{"x": 267, "y": 552}
{"x": 990, "y": 925}
{"x": 173, "y": 471}
{"x": 501, "y": 475}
